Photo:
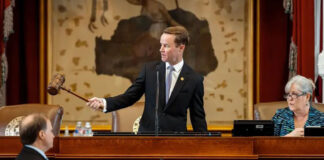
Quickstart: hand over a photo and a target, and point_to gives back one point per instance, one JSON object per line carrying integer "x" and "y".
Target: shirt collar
{"x": 38, "y": 150}
{"x": 176, "y": 67}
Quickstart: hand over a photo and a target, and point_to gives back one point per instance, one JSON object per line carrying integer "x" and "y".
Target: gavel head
{"x": 55, "y": 85}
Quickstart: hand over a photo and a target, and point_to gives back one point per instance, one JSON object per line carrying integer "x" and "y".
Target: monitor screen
{"x": 314, "y": 131}
{"x": 253, "y": 128}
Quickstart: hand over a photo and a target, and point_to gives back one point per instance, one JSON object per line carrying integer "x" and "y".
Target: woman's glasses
{"x": 293, "y": 95}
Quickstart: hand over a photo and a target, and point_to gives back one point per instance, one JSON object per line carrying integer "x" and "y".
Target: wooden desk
{"x": 289, "y": 147}
{"x": 156, "y": 147}
{"x": 140, "y": 147}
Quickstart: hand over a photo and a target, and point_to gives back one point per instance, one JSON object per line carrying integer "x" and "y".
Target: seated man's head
{"x": 36, "y": 130}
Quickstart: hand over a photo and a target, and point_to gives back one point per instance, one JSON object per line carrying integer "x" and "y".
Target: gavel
{"x": 57, "y": 83}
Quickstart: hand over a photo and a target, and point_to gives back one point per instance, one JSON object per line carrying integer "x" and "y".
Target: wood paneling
{"x": 144, "y": 147}
{"x": 148, "y": 147}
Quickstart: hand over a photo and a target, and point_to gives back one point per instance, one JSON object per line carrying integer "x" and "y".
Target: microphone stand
{"x": 156, "y": 133}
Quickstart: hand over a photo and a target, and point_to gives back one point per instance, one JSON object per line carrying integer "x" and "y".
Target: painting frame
{"x": 248, "y": 113}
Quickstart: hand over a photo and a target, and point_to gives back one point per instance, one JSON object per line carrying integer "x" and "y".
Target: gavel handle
{"x": 101, "y": 107}
{"x": 75, "y": 94}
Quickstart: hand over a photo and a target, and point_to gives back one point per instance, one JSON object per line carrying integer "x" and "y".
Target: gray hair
{"x": 303, "y": 84}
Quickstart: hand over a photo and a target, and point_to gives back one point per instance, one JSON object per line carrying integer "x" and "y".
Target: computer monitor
{"x": 317, "y": 131}
{"x": 253, "y": 128}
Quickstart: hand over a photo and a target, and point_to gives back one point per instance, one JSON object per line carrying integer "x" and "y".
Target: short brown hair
{"x": 182, "y": 35}
{"x": 29, "y": 131}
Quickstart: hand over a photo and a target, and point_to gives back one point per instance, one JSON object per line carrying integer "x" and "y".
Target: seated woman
{"x": 290, "y": 121}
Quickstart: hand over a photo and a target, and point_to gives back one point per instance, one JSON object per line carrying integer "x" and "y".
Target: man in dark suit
{"x": 36, "y": 134}
{"x": 180, "y": 89}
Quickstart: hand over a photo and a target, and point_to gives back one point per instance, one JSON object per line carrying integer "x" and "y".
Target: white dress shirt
{"x": 175, "y": 73}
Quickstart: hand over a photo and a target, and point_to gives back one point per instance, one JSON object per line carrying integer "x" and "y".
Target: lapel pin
{"x": 181, "y": 78}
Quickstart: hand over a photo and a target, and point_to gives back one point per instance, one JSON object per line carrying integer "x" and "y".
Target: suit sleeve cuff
{"x": 105, "y": 105}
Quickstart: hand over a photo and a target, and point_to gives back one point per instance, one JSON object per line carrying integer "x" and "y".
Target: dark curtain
{"x": 276, "y": 30}
{"x": 23, "y": 54}
{"x": 303, "y": 36}
{"x": 274, "y": 40}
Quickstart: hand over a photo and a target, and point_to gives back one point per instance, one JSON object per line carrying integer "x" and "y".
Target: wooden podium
{"x": 150, "y": 147}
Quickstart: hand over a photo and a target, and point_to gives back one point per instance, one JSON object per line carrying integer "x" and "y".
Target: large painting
{"x": 101, "y": 45}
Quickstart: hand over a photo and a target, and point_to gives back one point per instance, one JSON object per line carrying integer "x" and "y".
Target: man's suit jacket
{"x": 188, "y": 92}
{"x": 27, "y": 153}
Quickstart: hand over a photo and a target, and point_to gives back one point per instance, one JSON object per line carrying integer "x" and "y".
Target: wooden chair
{"x": 123, "y": 119}
{"x": 10, "y": 116}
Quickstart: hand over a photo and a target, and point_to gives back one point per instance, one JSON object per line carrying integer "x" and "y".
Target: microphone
{"x": 156, "y": 131}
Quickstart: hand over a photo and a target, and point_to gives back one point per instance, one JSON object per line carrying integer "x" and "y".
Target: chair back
{"x": 12, "y": 112}
{"x": 266, "y": 110}
{"x": 123, "y": 119}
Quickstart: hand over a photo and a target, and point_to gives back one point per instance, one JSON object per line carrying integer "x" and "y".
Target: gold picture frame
{"x": 238, "y": 44}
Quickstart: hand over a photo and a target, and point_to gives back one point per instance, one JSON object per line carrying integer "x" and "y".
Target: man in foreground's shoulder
{"x": 36, "y": 135}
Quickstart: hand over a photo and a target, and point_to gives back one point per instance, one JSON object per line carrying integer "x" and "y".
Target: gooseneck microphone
{"x": 156, "y": 131}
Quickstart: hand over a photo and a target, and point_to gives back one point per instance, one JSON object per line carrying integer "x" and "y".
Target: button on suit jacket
{"x": 187, "y": 94}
